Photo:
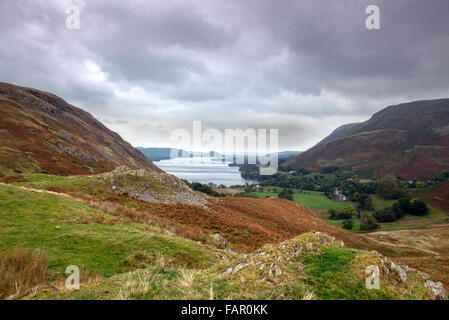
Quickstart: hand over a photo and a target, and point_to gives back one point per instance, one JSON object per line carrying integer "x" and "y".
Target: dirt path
{"x": 40, "y": 191}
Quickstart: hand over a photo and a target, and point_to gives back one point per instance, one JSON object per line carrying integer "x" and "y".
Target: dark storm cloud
{"x": 147, "y": 67}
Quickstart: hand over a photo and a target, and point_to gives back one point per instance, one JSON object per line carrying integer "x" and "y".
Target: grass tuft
{"x": 21, "y": 270}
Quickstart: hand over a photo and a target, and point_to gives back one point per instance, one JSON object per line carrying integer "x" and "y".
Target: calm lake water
{"x": 204, "y": 170}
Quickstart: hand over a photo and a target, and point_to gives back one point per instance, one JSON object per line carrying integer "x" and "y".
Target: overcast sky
{"x": 303, "y": 67}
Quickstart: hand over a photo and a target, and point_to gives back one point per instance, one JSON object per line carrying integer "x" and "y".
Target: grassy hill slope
{"x": 121, "y": 259}
{"x": 124, "y": 248}
{"x": 40, "y": 132}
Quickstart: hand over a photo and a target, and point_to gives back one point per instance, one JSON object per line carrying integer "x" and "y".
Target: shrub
{"x": 368, "y": 223}
{"x": 204, "y": 188}
{"x": 21, "y": 270}
{"x": 418, "y": 208}
{"x": 245, "y": 195}
{"x": 13, "y": 178}
{"x": 330, "y": 169}
{"x": 333, "y": 215}
{"x": 385, "y": 215}
{"x": 401, "y": 207}
{"x": 341, "y": 215}
{"x": 348, "y": 224}
{"x": 286, "y": 195}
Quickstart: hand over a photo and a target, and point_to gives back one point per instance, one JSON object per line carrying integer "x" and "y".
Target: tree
{"x": 333, "y": 215}
{"x": 285, "y": 195}
{"x": 348, "y": 224}
{"x": 385, "y": 215}
{"x": 330, "y": 169}
{"x": 401, "y": 207}
{"x": 365, "y": 202}
{"x": 418, "y": 208}
{"x": 389, "y": 188}
{"x": 345, "y": 214}
{"x": 368, "y": 223}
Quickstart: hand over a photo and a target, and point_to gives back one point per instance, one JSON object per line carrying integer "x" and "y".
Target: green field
{"x": 316, "y": 200}
{"x": 407, "y": 222}
{"x": 311, "y": 199}
{"x": 379, "y": 203}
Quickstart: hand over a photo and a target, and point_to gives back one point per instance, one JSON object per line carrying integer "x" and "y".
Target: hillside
{"x": 128, "y": 254}
{"x": 40, "y": 132}
{"x": 437, "y": 195}
{"x": 410, "y": 140}
{"x": 338, "y": 132}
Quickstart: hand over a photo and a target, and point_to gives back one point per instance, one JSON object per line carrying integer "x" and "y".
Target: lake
{"x": 203, "y": 170}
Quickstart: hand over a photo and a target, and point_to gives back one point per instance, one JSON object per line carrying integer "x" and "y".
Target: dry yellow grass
{"x": 21, "y": 270}
{"x": 430, "y": 249}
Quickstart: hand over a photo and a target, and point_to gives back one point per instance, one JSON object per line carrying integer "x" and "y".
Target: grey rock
{"x": 228, "y": 270}
{"x": 240, "y": 266}
{"x": 275, "y": 271}
{"x": 220, "y": 238}
{"x": 436, "y": 289}
{"x": 402, "y": 274}
{"x": 297, "y": 252}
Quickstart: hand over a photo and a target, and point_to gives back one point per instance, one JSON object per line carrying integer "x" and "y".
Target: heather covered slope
{"x": 436, "y": 195}
{"x": 410, "y": 140}
{"x": 125, "y": 254}
{"x": 246, "y": 223}
{"x": 40, "y": 132}
{"x": 338, "y": 132}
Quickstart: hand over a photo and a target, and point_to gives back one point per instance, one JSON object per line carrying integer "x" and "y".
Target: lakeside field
{"x": 321, "y": 205}
{"x": 311, "y": 199}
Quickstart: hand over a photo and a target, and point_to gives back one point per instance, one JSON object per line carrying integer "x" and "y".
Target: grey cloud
{"x": 304, "y": 67}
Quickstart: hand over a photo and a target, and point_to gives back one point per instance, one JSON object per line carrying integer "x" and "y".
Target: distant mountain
{"x": 40, "y": 132}
{"x": 410, "y": 140}
{"x": 157, "y": 154}
{"x": 288, "y": 154}
{"x": 338, "y": 132}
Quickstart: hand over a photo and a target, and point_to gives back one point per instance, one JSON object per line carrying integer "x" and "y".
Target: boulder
{"x": 436, "y": 289}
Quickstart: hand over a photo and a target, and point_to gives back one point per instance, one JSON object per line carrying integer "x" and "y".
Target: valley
{"x": 74, "y": 193}
{"x": 126, "y": 254}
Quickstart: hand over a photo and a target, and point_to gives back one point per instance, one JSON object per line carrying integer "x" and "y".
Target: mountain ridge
{"x": 410, "y": 140}
{"x": 41, "y": 132}
{"x": 341, "y": 130}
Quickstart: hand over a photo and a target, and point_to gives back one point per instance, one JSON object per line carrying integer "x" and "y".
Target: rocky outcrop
{"x": 151, "y": 186}
{"x": 436, "y": 289}
{"x": 220, "y": 242}
{"x": 276, "y": 261}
